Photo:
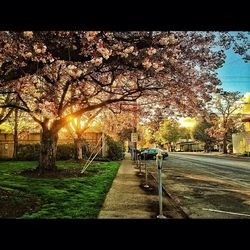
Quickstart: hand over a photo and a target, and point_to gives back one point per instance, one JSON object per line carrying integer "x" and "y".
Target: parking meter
{"x": 159, "y": 159}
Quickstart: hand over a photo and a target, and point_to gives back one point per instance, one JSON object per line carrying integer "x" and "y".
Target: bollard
{"x": 159, "y": 159}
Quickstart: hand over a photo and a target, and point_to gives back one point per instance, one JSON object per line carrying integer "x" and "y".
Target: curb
{"x": 172, "y": 200}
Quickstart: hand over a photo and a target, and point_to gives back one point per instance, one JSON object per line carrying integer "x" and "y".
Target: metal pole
{"x": 139, "y": 162}
{"x": 146, "y": 177}
{"x": 159, "y": 159}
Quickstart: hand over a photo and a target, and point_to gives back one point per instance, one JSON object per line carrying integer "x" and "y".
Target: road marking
{"x": 225, "y": 212}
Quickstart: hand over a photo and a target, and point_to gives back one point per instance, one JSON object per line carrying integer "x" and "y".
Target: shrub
{"x": 230, "y": 148}
{"x": 31, "y": 152}
{"x": 28, "y": 152}
{"x": 65, "y": 151}
{"x": 115, "y": 149}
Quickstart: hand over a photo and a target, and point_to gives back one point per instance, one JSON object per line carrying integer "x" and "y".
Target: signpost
{"x": 134, "y": 140}
{"x": 134, "y": 137}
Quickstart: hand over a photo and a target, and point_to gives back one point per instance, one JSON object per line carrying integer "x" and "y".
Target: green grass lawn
{"x": 76, "y": 198}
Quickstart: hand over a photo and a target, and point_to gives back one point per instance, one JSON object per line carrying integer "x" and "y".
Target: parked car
{"x": 150, "y": 153}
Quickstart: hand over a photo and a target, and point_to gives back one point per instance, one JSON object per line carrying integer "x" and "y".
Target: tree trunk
{"x": 206, "y": 147}
{"x": 225, "y": 144}
{"x": 47, "y": 161}
{"x": 15, "y": 134}
{"x": 78, "y": 145}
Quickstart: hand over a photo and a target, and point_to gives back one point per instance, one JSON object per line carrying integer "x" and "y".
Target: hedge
{"x": 31, "y": 152}
{"x": 115, "y": 149}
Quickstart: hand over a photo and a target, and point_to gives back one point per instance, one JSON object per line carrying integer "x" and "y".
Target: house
{"x": 241, "y": 141}
{"x": 189, "y": 146}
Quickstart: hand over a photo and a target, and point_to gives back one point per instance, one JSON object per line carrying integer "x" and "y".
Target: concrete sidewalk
{"x": 126, "y": 199}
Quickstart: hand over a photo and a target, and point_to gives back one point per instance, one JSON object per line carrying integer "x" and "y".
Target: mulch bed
{"x": 15, "y": 204}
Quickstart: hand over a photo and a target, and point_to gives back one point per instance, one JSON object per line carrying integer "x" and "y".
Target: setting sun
{"x": 187, "y": 122}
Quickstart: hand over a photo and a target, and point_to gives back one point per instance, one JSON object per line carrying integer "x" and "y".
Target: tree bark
{"x": 15, "y": 134}
{"x": 47, "y": 160}
{"x": 78, "y": 145}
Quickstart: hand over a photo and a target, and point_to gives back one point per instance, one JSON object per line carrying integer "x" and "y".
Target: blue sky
{"x": 235, "y": 74}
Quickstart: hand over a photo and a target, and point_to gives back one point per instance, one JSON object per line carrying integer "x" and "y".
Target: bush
{"x": 28, "y": 152}
{"x": 115, "y": 149}
{"x": 65, "y": 152}
{"x": 31, "y": 152}
{"x": 230, "y": 148}
{"x": 246, "y": 154}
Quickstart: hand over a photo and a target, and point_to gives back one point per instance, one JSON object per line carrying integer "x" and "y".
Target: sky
{"x": 235, "y": 73}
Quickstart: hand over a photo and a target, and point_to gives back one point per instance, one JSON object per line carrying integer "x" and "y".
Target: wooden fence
{"x": 7, "y": 142}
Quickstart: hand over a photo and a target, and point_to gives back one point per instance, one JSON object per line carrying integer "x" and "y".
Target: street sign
{"x": 134, "y": 137}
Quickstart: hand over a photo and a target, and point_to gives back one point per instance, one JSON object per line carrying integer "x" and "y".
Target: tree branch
{"x": 65, "y": 90}
{"x": 4, "y": 118}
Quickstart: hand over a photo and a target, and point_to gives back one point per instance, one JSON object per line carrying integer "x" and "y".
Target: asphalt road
{"x": 213, "y": 187}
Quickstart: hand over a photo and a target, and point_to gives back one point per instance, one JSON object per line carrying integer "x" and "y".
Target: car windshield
{"x": 152, "y": 150}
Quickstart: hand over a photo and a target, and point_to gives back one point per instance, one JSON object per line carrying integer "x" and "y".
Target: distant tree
{"x": 125, "y": 134}
{"x": 146, "y": 139}
{"x": 169, "y": 133}
{"x": 226, "y": 107}
{"x": 200, "y": 132}
{"x": 185, "y": 133}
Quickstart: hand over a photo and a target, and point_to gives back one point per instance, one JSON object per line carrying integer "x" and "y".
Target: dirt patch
{"x": 15, "y": 204}
{"x": 59, "y": 174}
{"x": 83, "y": 161}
